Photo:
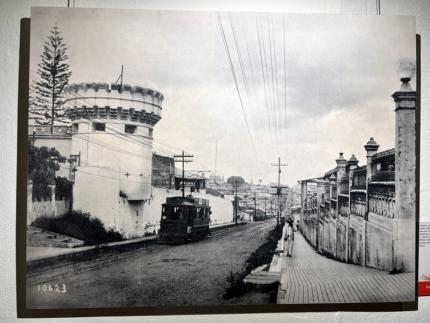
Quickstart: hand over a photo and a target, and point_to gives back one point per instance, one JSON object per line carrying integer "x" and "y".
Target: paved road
{"x": 309, "y": 277}
{"x": 191, "y": 274}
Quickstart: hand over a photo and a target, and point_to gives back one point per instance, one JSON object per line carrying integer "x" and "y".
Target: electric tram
{"x": 184, "y": 219}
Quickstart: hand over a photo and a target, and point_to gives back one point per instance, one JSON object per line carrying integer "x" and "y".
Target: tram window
{"x": 202, "y": 213}
{"x": 176, "y": 213}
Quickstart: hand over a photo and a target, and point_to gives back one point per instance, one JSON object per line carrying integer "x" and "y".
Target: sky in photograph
{"x": 302, "y": 87}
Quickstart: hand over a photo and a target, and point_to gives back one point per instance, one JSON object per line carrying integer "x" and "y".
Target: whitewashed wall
{"x": 10, "y": 13}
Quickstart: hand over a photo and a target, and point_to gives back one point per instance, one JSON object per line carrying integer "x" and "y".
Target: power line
{"x": 273, "y": 84}
{"x": 235, "y": 81}
{"x": 239, "y": 56}
{"x": 262, "y": 63}
{"x": 285, "y": 87}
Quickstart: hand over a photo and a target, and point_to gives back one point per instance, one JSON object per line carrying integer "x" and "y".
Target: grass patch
{"x": 263, "y": 255}
{"x": 79, "y": 225}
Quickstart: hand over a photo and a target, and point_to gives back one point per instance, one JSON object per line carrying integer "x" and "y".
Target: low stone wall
{"x": 49, "y": 207}
{"x": 52, "y": 209}
{"x": 352, "y": 239}
{"x": 379, "y": 242}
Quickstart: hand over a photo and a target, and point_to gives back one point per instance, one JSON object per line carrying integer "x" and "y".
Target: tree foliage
{"x": 235, "y": 180}
{"x": 47, "y": 92}
{"x": 42, "y": 164}
{"x": 63, "y": 188}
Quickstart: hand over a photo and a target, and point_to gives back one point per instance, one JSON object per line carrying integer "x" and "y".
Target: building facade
{"x": 367, "y": 215}
{"x": 112, "y": 134}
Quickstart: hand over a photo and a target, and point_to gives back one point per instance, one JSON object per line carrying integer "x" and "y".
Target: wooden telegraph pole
{"x": 279, "y": 188}
{"x": 182, "y": 159}
{"x": 265, "y": 214}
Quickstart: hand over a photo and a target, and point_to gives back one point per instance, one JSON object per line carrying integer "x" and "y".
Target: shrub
{"x": 63, "y": 188}
{"x": 42, "y": 164}
{"x": 263, "y": 255}
{"x": 79, "y": 225}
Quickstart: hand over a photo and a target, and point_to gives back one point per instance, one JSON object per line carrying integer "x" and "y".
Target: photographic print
{"x": 195, "y": 161}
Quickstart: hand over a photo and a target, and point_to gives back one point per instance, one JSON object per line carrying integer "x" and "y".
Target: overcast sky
{"x": 331, "y": 95}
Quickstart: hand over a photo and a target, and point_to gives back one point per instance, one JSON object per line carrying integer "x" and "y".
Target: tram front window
{"x": 173, "y": 213}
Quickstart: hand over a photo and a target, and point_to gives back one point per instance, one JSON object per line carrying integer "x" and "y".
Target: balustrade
{"x": 344, "y": 209}
{"x": 381, "y": 200}
{"x": 358, "y": 207}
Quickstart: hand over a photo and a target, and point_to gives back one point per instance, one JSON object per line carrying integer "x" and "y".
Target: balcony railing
{"x": 344, "y": 209}
{"x": 358, "y": 207}
{"x": 382, "y": 199}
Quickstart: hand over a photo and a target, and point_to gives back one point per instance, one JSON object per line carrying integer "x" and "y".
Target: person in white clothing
{"x": 289, "y": 230}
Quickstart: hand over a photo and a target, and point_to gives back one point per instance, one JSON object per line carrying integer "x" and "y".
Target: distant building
{"x": 163, "y": 171}
{"x": 59, "y": 138}
{"x": 193, "y": 183}
{"x": 367, "y": 215}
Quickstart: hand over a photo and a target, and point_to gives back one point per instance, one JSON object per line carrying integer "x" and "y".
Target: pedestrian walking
{"x": 289, "y": 230}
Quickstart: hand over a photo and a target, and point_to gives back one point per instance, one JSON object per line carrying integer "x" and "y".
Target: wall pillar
{"x": 302, "y": 205}
{"x": 29, "y": 201}
{"x": 371, "y": 149}
{"x": 405, "y": 181}
{"x": 53, "y": 204}
{"x": 341, "y": 169}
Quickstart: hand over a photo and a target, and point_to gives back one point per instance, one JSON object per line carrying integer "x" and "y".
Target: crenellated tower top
{"x": 113, "y": 101}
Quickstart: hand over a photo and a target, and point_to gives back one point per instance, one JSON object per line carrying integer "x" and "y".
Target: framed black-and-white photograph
{"x": 213, "y": 162}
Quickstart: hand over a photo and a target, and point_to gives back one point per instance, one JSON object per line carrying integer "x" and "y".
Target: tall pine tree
{"x": 48, "y": 90}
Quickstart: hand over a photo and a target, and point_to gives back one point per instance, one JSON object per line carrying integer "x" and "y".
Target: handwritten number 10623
{"x": 55, "y": 288}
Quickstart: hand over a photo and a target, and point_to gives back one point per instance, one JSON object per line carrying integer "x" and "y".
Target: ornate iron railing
{"x": 382, "y": 199}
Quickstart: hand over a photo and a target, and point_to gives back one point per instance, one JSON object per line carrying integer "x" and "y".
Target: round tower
{"x": 112, "y": 134}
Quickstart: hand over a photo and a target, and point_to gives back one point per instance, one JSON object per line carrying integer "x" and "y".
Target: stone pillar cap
{"x": 371, "y": 145}
{"x": 353, "y": 160}
{"x": 341, "y": 161}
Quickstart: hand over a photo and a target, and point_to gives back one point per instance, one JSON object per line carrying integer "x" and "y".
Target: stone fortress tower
{"x": 112, "y": 134}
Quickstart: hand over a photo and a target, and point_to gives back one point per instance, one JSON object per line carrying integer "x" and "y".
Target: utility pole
{"x": 271, "y": 206}
{"x": 255, "y": 205}
{"x": 182, "y": 159}
{"x": 279, "y": 188}
{"x": 236, "y": 202}
{"x": 265, "y": 215}
{"x": 216, "y": 157}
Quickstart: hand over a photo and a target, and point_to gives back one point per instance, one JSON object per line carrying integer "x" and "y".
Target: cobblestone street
{"x": 309, "y": 277}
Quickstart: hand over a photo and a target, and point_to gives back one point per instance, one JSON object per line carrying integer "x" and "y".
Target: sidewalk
{"x": 309, "y": 277}
{"x": 35, "y": 254}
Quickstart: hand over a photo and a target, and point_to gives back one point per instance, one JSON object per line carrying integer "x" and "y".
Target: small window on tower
{"x": 151, "y": 131}
{"x": 130, "y": 128}
{"x": 75, "y": 128}
{"x": 98, "y": 126}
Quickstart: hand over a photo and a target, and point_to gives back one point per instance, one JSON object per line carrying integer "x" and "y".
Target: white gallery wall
{"x": 11, "y": 11}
